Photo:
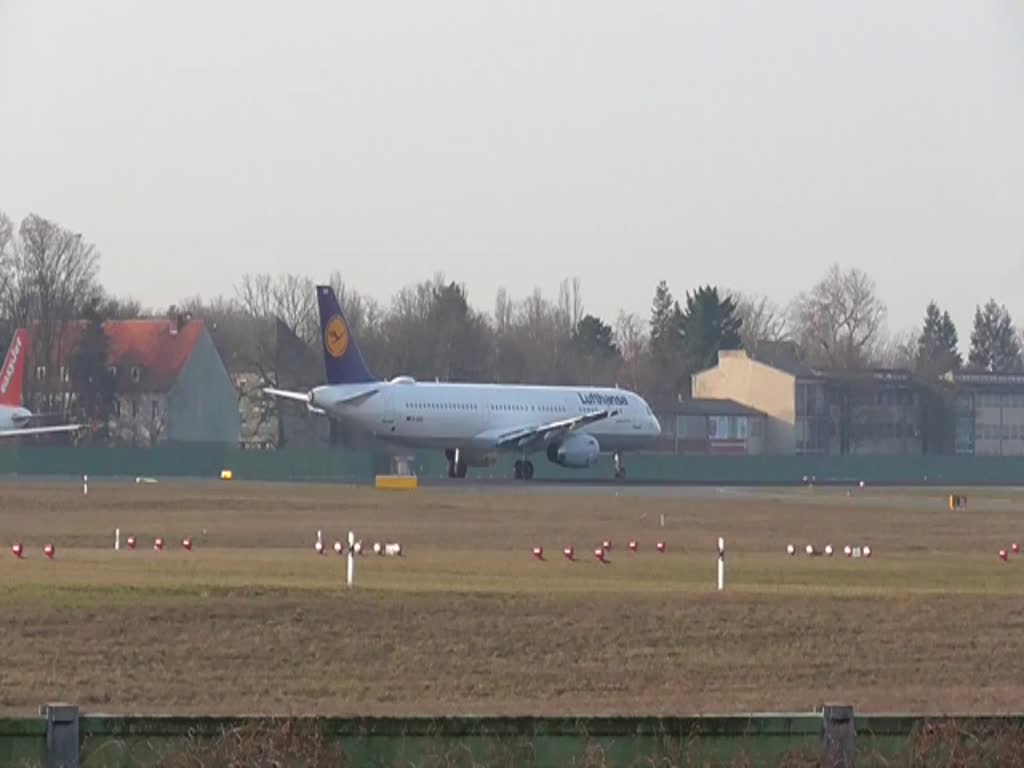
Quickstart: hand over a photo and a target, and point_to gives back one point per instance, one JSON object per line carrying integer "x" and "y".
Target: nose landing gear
{"x": 457, "y": 466}
{"x": 620, "y": 469}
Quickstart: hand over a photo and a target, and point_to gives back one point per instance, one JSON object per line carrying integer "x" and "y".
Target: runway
{"x": 985, "y": 498}
{"x": 981, "y": 498}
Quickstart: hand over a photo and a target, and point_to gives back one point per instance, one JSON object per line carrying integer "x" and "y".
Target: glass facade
{"x": 812, "y": 424}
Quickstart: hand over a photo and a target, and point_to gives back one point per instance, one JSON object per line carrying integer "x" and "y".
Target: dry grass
{"x": 253, "y": 622}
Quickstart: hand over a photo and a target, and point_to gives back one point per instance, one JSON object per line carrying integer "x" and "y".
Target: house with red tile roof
{"x": 169, "y": 380}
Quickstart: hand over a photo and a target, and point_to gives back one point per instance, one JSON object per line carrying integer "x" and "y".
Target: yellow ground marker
{"x": 397, "y": 482}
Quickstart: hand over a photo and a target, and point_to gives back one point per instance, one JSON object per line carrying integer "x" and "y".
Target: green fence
{"x": 358, "y": 467}
{"x": 200, "y": 461}
{"x": 834, "y": 737}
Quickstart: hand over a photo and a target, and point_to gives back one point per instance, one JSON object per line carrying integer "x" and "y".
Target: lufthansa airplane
{"x": 14, "y": 417}
{"x": 472, "y": 423}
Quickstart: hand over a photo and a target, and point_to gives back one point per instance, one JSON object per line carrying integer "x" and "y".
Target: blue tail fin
{"x": 342, "y": 358}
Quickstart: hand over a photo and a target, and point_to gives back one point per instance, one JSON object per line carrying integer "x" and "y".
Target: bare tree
{"x": 295, "y": 304}
{"x": 6, "y": 237}
{"x": 570, "y": 303}
{"x": 290, "y": 298}
{"x": 54, "y": 277}
{"x": 7, "y": 276}
{"x": 899, "y": 350}
{"x": 121, "y": 308}
{"x": 503, "y": 310}
{"x": 255, "y": 294}
{"x": 840, "y": 321}
{"x": 544, "y": 338}
{"x": 762, "y": 320}
{"x": 630, "y": 335}
{"x": 631, "y": 339}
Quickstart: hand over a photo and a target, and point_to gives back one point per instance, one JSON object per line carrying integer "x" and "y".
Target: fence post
{"x": 61, "y": 735}
{"x": 840, "y": 736}
{"x": 721, "y": 563}
{"x": 350, "y": 571}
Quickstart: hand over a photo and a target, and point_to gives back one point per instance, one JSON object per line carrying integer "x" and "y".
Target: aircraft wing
{"x": 545, "y": 433}
{"x": 29, "y": 418}
{"x": 305, "y": 397}
{"x": 41, "y": 430}
{"x": 358, "y": 397}
{"x": 301, "y": 397}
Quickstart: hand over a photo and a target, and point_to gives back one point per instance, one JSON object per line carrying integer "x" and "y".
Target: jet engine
{"x": 578, "y": 450}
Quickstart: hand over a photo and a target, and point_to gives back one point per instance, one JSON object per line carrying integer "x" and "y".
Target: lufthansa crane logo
{"x": 336, "y": 337}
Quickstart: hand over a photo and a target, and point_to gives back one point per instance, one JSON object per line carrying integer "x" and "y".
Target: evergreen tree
{"x": 593, "y": 340}
{"x": 665, "y": 324}
{"x": 937, "y": 345}
{"x": 94, "y": 383}
{"x": 709, "y": 324}
{"x": 668, "y": 369}
{"x": 995, "y": 345}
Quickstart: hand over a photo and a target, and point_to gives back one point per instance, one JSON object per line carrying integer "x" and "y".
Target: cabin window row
{"x": 527, "y": 408}
{"x": 494, "y": 407}
{"x": 443, "y": 406}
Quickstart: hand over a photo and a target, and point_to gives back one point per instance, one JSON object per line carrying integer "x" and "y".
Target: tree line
{"x": 431, "y": 330}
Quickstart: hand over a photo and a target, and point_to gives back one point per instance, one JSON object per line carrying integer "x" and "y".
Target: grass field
{"x": 252, "y": 621}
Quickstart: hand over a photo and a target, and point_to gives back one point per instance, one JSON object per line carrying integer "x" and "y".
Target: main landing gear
{"x": 620, "y": 469}
{"x": 456, "y": 464}
{"x": 523, "y": 470}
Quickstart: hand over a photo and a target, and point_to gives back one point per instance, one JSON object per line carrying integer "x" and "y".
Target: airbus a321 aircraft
{"x": 472, "y": 423}
{"x": 14, "y": 417}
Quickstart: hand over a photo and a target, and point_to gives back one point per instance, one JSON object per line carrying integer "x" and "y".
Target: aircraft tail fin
{"x": 12, "y": 375}
{"x": 342, "y": 358}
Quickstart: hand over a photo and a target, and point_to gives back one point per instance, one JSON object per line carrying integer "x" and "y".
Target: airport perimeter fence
{"x": 324, "y": 465}
{"x": 62, "y": 738}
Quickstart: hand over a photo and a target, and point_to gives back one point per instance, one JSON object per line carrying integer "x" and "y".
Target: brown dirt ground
{"x": 467, "y": 622}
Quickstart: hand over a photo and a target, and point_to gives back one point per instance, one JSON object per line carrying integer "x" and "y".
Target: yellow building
{"x": 791, "y": 399}
{"x": 815, "y": 412}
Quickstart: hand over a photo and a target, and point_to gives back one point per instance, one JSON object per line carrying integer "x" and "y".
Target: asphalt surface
{"x": 981, "y": 498}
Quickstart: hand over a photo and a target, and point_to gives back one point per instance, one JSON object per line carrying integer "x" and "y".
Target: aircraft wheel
{"x": 517, "y": 472}
{"x": 460, "y": 469}
{"x": 528, "y": 470}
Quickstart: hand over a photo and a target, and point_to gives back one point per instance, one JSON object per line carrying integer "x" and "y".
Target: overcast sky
{"x": 744, "y": 144}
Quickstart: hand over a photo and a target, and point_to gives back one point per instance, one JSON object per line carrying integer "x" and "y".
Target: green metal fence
{"x": 834, "y": 737}
{"x": 358, "y": 467}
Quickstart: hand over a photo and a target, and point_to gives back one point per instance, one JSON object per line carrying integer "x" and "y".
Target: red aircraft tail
{"x": 12, "y": 374}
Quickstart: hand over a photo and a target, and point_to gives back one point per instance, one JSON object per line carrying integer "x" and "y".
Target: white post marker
{"x": 117, "y": 539}
{"x": 662, "y": 519}
{"x": 351, "y": 559}
{"x": 85, "y": 485}
{"x": 721, "y": 563}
